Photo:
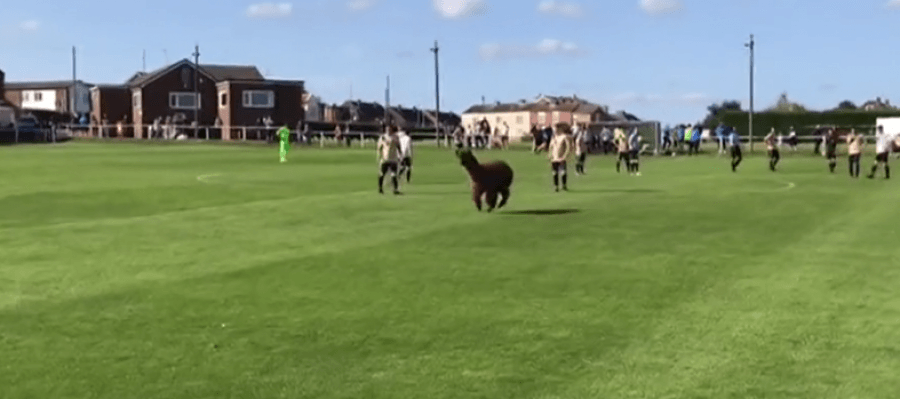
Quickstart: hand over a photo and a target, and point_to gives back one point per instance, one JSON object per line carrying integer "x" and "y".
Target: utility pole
{"x": 144, "y": 61}
{"x": 387, "y": 102}
{"x": 437, "y": 96}
{"x": 751, "y": 45}
{"x": 74, "y": 83}
{"x": 196, "y": 90}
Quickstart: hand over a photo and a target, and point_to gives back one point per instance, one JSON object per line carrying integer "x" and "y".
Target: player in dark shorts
{"x": 734, "y": 139}
{"x": 831, "y": 139}
{"x": 772, "y": 147}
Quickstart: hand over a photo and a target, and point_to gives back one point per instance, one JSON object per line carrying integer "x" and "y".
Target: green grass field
{"x": 195, "y": 271}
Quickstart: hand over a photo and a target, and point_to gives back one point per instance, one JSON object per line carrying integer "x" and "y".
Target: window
{"x": 223, "y": 99}
{"x": 38, "y": 96}
{"x": 26, "y": 96}
{"x": 259, "y": 99}
{"x": 555, "y": 116}
{"x": 519, "y": 119}
{"x": 542, "y": 118}
{"x": 136, "y": 100}
{"x": 184, "y": 100}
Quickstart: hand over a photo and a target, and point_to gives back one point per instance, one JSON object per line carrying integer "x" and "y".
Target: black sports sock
{"x": 887, "y": 171}
{"x": 408, "y": 175}
{"x": 831, "y": 166}
{"x": 556, "y": 180}
{"x": 618, "y": 166}
{"x": 874, "y": 169}
{"x": 565, "y": 179}
{"x": 395, "y": 184}
{"x": 380, "y": 183}
{"x": 637, "y": 167}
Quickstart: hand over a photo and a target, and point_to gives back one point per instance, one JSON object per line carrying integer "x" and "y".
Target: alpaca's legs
{"x": 491, "y": 198}
{"x": 476, "y": 198}
{"x": 505, "y": 193}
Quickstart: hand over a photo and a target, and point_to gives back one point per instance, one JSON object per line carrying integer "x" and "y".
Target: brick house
{"x": 110, "y": 104}
{"x": 545, "y": 111}
{"x": 230, "y": 95}
{"x": 65, "y": 97}
{"x": 7, "y": 111}
{"x": 249, "y": 102}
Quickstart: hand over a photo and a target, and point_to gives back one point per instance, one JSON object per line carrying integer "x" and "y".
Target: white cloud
{"x": 360, "y": 5}
{"x": 893, "y": 4}
{"x": 663, "y": 6}
{"x": 455, "y": 9}
{"x": 270, "y": 10}
{"x": 563, "y": 8}
{"x": 546, "y": 48}
{"x": 30, "y": 25}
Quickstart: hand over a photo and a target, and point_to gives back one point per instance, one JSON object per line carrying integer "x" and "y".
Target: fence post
{"x": 244, "y": 133}
{"x": 321, "y": 140}
{"x": 17, "y": 133}
{"x": 362, "y": 140}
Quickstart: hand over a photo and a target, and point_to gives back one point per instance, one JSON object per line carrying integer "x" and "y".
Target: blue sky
{"x": 660, "y": 59}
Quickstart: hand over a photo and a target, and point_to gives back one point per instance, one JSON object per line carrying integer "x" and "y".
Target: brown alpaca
{"x": 489, "y": 180}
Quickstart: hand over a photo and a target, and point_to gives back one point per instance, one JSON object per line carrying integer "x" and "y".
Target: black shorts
{"x": 388, "y": 166}
{"x": 634, "y": 155}
{"x": 830, "y": 154}
{"x": 582, "y": 157}
{"x": 736, "y": 151}
{"x": 623, "y": 155}
{"x": 774, "y": 153}
{"x": 558, "y": 166}
{"x": 406, "y": 162}
{"x": 882, "y": 157}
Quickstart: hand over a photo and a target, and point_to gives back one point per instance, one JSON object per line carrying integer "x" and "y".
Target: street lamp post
{"x": 751, "y": 46}
{"x": 437, "y": 96}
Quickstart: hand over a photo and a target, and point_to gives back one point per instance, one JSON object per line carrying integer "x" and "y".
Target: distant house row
{"x": 362, "y": 112}
{"x": 227, "y": 96}
{"x": 542, "y": 112}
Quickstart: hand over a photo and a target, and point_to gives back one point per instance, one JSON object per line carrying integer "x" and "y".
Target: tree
{"x": 847, "y": 105}
{"x": 711, "y": 120}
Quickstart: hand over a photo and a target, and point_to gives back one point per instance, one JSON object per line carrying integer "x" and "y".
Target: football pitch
{"x": 189, "y": 271}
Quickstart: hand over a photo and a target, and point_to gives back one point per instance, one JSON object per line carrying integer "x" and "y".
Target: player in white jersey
{"x": 883, "y": 144}
{"x": 406, "y": 154}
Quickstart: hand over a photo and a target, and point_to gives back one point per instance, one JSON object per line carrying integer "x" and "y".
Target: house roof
{"x": 266, "y": 82}
{"x": 218, "y": 73}
{"x": 499, "y": 107}
{"x": 232, "y": 72}
{"x": 50, "y": 84}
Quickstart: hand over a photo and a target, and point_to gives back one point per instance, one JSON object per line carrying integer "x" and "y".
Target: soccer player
{"x": 622, "y": 145}
{"x": 388, "y": 155}
{"x": 406, "y": 153}
{"x": 883, "y": 144}
{"x": 734, "y": 140}
{"x": 854, "y": 151}
{"x": 559, "y": 150}
{"x": 634, "y": 147}
{"x": 831, "y": 139}
{"x": 284, "y": 136}
{"x": 581, "y": 150}
{"x": 774, "y": 155}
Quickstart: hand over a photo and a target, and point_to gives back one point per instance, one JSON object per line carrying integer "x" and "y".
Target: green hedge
{"x": 804, "y": 122}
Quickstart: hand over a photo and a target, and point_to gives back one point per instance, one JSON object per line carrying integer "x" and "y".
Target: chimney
{"x": 2, "y": 77}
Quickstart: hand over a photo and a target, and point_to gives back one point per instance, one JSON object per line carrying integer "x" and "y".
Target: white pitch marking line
{"x": 203, "y": 178}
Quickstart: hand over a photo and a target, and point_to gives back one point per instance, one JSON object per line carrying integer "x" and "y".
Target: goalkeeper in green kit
{"x": 284, "y": 136}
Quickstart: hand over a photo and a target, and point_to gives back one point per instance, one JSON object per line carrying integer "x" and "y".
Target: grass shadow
{"x": 617, "y": 190}
{"x": 542, "y": 212}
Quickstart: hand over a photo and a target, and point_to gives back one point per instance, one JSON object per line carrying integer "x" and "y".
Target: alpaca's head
{"x": 466, "y": 158}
